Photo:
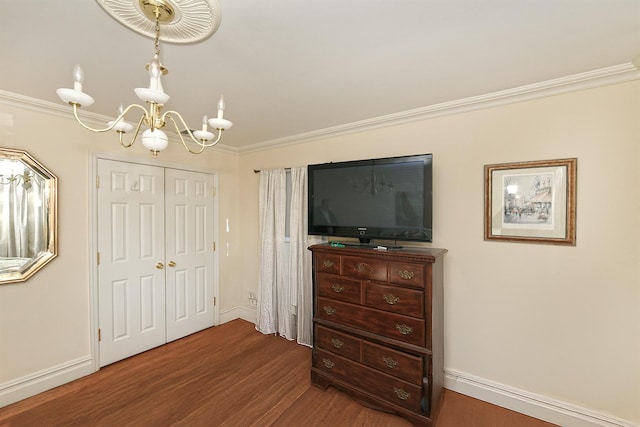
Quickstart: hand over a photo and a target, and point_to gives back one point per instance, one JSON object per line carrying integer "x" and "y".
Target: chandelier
{"x": 156, "y": 12}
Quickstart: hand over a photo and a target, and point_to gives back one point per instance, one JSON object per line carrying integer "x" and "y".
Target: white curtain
{"x": 284, "y": 285}
{"x": 271, "y": 304}
{"x": 22, "y": 214}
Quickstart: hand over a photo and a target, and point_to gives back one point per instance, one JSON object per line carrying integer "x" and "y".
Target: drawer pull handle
{"x": 391, "y": 299}
{"x": 336, "y": 343}
{"x": 390, "y": 362}
{"x": 404, "y": 329}
{"x": 327, "y": 263}
{"x": 401, "y": 394}
{"x": 406, "y": 274}
{"x": 328, "y": 363}
{"x": 364, "y": 268}
{"x": 329, "y": 310}
{"x": 337, "y": 288}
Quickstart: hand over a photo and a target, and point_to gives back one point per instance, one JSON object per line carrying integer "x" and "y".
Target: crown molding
{"x": 588, "y": 80}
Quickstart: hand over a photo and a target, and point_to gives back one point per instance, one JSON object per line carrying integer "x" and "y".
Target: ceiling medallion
{"x": 182, "y": 21}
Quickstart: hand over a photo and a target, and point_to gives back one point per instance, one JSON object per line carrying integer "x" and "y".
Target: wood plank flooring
{"x": 228, "y": 375}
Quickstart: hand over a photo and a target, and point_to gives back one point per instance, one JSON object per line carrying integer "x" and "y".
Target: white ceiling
{"x": 288, "y": 67}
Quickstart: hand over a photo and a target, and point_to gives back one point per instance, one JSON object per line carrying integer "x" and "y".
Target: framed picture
{"x": 531, "y": 202}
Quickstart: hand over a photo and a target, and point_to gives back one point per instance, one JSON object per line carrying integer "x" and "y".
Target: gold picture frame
{"x": 531, "y": 202}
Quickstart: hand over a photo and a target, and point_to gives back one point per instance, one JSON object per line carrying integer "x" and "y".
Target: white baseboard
{"x": 245, "y": 312}
{"x": 534, "y": 405}
{"x": 28, "y": 386}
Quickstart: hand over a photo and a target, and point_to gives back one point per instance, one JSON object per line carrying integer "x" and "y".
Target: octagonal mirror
{"x": 28, "y": 221}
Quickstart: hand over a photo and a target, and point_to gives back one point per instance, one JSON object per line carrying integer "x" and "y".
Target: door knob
{"x": 159, "y": 266}
{"x": 172, "y": 263}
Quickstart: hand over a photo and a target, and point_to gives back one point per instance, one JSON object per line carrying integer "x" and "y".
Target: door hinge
{"x": 214, "y": 246}
{"x": 98, "y": 258}
{"x": 97, "y": 181}
{"x": 99, "y": 334}
{"x": 214, "y": 301}
{"x": 213, "y": 191}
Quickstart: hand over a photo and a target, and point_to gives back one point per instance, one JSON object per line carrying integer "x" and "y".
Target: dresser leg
{"x": 319, "y": 381}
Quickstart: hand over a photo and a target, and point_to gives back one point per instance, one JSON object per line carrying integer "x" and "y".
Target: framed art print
{"x": 531, "y": 202}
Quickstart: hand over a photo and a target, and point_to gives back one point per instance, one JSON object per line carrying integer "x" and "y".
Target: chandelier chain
{"x": 157, "y": 39}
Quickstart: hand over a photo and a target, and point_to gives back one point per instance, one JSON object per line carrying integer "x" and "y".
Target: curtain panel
{"x": 285, "y": 304}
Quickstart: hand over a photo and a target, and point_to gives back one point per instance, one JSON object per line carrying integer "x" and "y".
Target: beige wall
{"x": 561, "y": 322}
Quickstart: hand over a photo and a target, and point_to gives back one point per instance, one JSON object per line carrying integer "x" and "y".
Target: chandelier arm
{"x": 201, "y": 143}
{"x": 211, "y": 143}
{"x": 115, "y": 122}
{"x": 184, "y": 143}
{"x": 214, "y": 142}
{"x": 135, "y": 135}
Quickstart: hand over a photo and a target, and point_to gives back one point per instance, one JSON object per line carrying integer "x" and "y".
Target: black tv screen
{"x": 388, "y": 198}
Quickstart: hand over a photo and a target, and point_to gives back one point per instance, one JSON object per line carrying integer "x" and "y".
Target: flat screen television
{"x": 388, "y": 198}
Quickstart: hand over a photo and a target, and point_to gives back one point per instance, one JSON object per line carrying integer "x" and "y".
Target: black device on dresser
{"x": 378, "y": 327}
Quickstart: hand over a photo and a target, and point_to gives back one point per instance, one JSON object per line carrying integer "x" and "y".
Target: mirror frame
{"x": 51, "y": 190}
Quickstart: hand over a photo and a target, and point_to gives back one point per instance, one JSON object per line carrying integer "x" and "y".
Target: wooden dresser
{"x": 378, "y": 327}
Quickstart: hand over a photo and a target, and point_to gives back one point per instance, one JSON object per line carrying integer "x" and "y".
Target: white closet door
{"x": 131, "y": 274}
{"x": 189, "y": 251}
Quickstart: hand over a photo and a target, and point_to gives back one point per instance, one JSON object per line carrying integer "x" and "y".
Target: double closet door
{"x": 156, "y": 256}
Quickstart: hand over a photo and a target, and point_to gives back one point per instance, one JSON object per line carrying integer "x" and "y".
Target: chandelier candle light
{"x": 153, "y": 138}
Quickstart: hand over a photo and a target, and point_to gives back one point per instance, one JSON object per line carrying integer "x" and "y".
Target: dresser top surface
{"x": 373, "y": 251}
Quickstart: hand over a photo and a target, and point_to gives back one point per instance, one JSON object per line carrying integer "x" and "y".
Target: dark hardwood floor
{"x": 228, "y": 375}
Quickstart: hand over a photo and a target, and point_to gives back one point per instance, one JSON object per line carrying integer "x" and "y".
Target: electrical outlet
{"x": 252, "y": 299}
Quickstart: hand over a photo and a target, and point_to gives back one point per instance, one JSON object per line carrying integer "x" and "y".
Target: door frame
{"x": 93, "y": 240}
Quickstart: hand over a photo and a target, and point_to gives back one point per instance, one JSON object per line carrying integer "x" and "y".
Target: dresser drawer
{"x": 345, "y": 345}
{"x": 369, "y": 380}
{"x": 364, "y": 268}
{"x": 392, "y": 325}
{"x": 338, "y": 287}
{"x": 409, "y": 274}
{"x": 328, "y": 263}
{"x": 409, "y": 302}
{"x": 392, "y": 362}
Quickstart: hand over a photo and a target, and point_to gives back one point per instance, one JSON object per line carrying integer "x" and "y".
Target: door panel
{"x": 189, "y": 251}
{"x": 201, "y": 290}
{"x": 119, "y": 309}
{"x": 131, "y": 243}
